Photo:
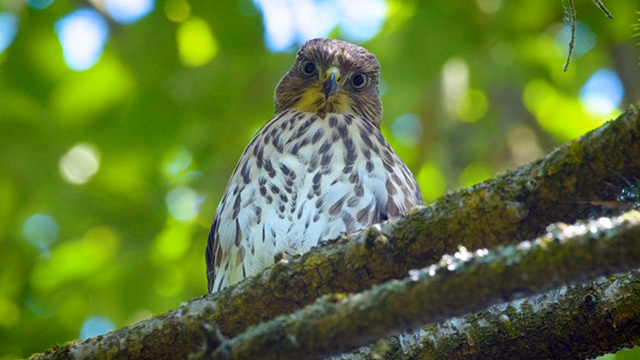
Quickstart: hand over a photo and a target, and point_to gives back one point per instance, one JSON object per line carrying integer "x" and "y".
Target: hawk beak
{"x": 330, "y": 85}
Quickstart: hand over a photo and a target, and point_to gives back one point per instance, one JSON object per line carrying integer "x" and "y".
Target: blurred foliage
{"x": 109, "y": 177}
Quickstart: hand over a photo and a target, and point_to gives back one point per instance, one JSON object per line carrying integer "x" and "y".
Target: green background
{"x": 175, "y": 97}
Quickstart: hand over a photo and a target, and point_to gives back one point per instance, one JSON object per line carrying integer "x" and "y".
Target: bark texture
{"x": 568, "y": 184}
{"x": 458, "y": 285}
{"x": 571, "y": 322}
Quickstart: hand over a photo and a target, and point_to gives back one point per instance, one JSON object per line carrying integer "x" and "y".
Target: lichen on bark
{"x": 516, "y": 205}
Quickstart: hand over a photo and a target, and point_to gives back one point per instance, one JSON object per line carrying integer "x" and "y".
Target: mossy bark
{"x": 461, "y": 284}
{"x": 573, "y": 322}
{"x": 516, "y": 205}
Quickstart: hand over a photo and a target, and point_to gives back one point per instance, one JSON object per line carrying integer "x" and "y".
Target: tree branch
{"x": 516, "y": 205}
{"x": 458, "y": 285}
{"x": 581, "y": 321}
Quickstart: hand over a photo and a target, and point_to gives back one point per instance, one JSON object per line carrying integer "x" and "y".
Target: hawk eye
{"x": 308, "y": 68}
{"x": 359, "y": 81}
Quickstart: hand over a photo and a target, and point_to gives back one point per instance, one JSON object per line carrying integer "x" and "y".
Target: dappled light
{"x": 431, "y": 180}
{"x": 170, "y": 281}
{"x": 407, "y": 129}
{"x": 602, "y": 93}
{"x": 455, "y": 82}
{"x": 585, "y": 40}
{"x": 177, "y": 10}
{"x": 79, "y": 164}
{"x": 110, "y": 82}
{"x": 95, "y": 326}
{"x": 184, "y": 203}
{"x": 196, "y": 43}
{"x": 121, "y": 122}
{"x": 83, "y": 34}
{"x": 559, "y": 114}
{"x": 361, "y": 19}
{"x": 9, "y": 313}
{"x": 39, "y": 307}
{"x": 474, "y": 173}
{"x": 8, "y": 30}
{"x": 489, "y": 6}
{"x": 76, "y": 259}
{"x": 175, "y": 162}
{"x": 39, "y": 4}
{"x": 41, "y": 231}
{"x": 291, "y": 22}
{"x": 472, "y": 105}
{"x": 523, "y": 145}
{"x": 502, "y": 54}
{"x": 173, "y": 242}
{"x": 128, "y": 11}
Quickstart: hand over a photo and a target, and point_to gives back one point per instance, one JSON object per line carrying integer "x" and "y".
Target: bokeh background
{"x": 121, "y": 121}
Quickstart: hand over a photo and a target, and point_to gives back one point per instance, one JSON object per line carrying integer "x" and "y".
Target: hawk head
{"x": 332, "y": 76}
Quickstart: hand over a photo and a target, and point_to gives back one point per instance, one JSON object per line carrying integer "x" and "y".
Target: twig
{"x": 573, "y": 20}
{"x": 603, "y": 8}
{"x": 572, "y": 42}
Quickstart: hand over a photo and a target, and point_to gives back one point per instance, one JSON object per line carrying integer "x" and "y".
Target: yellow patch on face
{"x": 312, "y": 100}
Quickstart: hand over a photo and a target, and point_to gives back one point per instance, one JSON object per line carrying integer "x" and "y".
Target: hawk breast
{"x": 305, "y": 178}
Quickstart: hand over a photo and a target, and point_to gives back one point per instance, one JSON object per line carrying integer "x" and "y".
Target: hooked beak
{"x": 330, "y": 85}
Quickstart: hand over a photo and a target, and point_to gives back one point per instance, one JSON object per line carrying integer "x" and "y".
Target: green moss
{"x": 575, "y": 153}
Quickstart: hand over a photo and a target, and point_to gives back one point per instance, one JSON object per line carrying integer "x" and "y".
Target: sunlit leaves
{"x": 170, "y": 280}
{"x": 75, "y": 260}
{"x": 177, "y": 10}
{"x": 472, "y": 105}
{"x": 431, "y": 181}
{"x": 196, "y": 43}
{"x": 169, "y": 104}
{"x": 558, "y": 114}
{"x": 172, "y": 243}
{"x": 9, "y": 196}
{"x": 125, "y": 173}
{"x": 85, "y": 95}
{"x": 475, "y": 173}
{"x": 9, "y": 313}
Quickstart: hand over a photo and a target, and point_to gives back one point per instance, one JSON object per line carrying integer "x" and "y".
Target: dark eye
{"x": 359, "y": 81}
{"x": 308, "y": 68}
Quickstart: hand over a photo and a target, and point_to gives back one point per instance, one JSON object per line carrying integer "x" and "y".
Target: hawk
{"x": 319, "y": 168}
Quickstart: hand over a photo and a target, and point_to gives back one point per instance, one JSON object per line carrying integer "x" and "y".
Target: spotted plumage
{"x": 319, "y": 168}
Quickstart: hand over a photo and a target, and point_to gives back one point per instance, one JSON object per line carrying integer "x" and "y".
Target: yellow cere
{"x": 332, "y": 70}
